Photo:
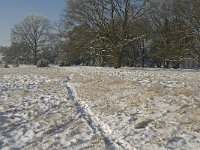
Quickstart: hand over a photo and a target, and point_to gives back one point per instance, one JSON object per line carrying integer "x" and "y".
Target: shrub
{"x": 64, "y": 63}
{"x": 42, "y": 63}
{"x": 175, "y": 64}
{"x": 5, "y": 65}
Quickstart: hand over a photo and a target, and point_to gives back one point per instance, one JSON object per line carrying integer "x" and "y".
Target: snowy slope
{"x": 36, "y": 114}
{"x": 99, "y": 108}
{"x": 146, "y": 108}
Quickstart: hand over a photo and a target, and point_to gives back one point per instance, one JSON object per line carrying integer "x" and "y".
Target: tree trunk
{"x": 158, "y": 63}
{"x": 166, "y": 63}
{"x": 133, "y": 60}
{"x": 101, "y": 64}
{"x": 118, "y": 60}
{"x": 35, "y": 57}
{"x": 143, "y": 60}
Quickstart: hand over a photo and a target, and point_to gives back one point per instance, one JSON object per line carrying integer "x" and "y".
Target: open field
{"x": 99, "y": 108}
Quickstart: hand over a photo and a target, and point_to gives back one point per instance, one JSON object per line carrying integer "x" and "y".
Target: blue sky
{"x": 12, "y": 11}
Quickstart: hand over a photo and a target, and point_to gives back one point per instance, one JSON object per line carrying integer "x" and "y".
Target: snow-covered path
{"x": 83, "y": 113}
{"x": 97, "y": 126}
{"x": 36, "y": 114}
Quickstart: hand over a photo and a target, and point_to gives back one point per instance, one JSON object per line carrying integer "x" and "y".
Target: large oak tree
{"x": 112, "y": 21}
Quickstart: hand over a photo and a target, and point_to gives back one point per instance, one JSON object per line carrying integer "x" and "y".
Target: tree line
{"x": 146, "y": 33}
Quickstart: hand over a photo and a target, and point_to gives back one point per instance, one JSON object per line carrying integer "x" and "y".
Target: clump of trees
{"x": 132, "y": 33}
{"x": 147, "y": 33}
{"x": 174, "y": 38}
{"x": 104, "y": 30}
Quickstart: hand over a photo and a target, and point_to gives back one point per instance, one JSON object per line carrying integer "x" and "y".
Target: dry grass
{"x": 186, "y": 91}
{"x": 112, "y": 95}
{"x": 115, "y": 94}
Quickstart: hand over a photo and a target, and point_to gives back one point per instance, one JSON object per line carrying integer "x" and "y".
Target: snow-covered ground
{"x": 99, "y": 108}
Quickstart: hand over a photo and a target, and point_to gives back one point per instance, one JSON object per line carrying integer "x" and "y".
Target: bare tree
{"x": 190, "y": 13}
{"x": 33, "y": 31}
{"x": 171, "y": 34}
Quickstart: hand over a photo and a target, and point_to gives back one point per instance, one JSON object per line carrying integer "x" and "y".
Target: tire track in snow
{"x": 112, "y": 142}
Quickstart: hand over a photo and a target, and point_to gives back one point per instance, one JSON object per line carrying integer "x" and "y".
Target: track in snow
{"x": 111, "y": 141}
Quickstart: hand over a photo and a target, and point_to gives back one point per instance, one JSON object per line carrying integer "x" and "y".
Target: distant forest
{"x": 115, "y": 33}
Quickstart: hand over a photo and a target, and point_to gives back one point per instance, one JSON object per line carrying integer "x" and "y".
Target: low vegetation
{"x": 42, "y": 63}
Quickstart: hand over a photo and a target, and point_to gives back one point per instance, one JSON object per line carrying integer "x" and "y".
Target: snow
{"x": 99, "y": 108}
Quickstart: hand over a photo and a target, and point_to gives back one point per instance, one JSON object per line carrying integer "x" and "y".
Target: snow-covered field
{"x": 99, "y": 108}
